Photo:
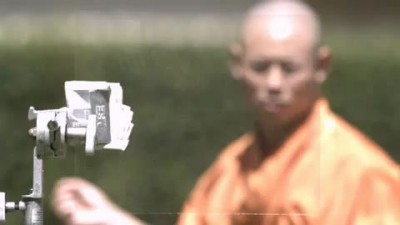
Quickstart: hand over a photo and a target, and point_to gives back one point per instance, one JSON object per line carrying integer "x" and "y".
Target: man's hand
{"x": 78, "y": 202}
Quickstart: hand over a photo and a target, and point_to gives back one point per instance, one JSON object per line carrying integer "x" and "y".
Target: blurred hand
{"x": 79, "y": 202}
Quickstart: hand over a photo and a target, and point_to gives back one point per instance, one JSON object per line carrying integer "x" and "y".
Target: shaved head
{"x": 280, "y": 61}
{"x": 282, "y": 20}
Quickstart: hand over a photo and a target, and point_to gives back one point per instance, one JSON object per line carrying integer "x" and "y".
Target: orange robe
{"x": 326, "y": 173}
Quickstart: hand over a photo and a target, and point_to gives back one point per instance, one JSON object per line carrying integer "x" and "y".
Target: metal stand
{"x": 31, "y": 204}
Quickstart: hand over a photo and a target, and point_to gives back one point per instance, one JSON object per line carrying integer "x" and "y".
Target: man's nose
{"x": 274, "y": 80}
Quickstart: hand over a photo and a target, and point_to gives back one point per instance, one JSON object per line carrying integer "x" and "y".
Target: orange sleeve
{"x": 377, "y": 201}
{"x": 193, "y": 209}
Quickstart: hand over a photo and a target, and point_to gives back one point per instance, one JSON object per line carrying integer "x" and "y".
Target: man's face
{"x": 279, "y": 75}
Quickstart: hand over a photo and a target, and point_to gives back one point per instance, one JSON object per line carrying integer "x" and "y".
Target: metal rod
{"x": 34, "y": 202}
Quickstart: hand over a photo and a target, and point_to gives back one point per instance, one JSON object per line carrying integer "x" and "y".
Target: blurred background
{"x": 170, "y": 56}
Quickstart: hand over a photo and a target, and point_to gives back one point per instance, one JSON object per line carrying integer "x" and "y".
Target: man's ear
{"x": 235, "y": 61}
{"x": 324, "y": 62}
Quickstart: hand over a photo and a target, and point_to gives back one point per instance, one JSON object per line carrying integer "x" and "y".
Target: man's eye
{"x": 259, "y": 67}
{"x": 289, "y": 68}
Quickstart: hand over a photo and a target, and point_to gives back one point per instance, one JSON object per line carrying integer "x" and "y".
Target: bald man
{"x": 302, "y": 164}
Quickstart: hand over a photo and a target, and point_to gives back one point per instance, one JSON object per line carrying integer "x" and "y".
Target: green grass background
{"x": 186, "y": 109}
